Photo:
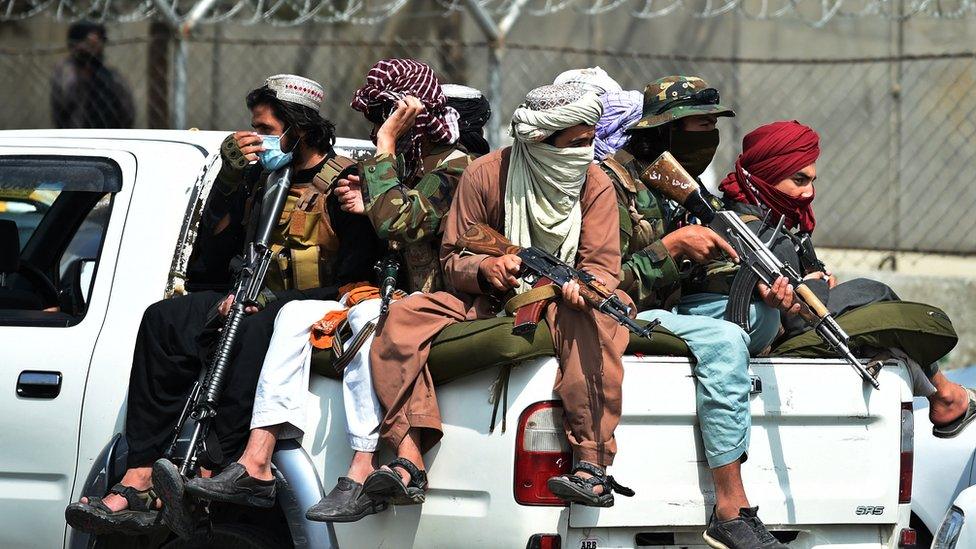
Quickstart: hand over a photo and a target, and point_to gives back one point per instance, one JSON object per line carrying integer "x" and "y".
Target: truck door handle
{"x": 755, "y": 385}
{"x": 38, "y": 384}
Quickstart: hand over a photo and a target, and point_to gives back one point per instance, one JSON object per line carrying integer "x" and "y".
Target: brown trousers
{"x": 589, "y": 345}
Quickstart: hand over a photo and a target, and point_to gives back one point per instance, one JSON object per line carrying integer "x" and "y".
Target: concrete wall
{"x": 956, "y": 295}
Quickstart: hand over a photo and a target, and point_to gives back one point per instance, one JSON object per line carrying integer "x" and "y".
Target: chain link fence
{"x": 897, "y": 132}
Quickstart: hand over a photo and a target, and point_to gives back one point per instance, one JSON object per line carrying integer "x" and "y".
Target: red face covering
{"x": 770, "y": 154}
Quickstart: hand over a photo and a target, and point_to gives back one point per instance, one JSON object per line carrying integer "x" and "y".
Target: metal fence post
{"x": 496, "y": 53}
{"x": 495, "y": 93}
{"x": 178, "y": 114}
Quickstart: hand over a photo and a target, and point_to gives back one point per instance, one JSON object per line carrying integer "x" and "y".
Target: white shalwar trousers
{"x": 282, "y": 392}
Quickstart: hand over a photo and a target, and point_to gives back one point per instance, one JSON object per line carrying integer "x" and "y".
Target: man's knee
{"x": 158, "y": 313}
{"x": 733, "y": 335}
{"x": 364, "y": 312}
{"x": 303, "y": 313}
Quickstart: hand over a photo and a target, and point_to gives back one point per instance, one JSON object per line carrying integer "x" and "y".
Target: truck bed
{"x": 822, "y": 465}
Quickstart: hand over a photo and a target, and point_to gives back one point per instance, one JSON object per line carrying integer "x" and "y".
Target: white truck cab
{"x": 830, "y": 462}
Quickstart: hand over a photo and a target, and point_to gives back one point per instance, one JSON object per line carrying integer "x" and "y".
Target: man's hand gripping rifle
{"x": 540, "y": 267}
{"x": 667, "y": 176}
{"x": 203, "y": 400}
{"x": 387, "y": 270}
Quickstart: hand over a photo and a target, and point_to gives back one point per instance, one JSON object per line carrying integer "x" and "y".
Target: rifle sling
{"x": 342, "y": 360}
{"x": 539, "y": 293}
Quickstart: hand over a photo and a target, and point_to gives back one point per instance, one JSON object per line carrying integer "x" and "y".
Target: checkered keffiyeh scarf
{"x": 389, "y": 80}
{"x": 620, "y": 111}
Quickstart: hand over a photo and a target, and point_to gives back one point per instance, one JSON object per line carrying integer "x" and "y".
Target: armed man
{"x": 544, "y": 191}
{"x": 318, "y": 247}
{"x": 680, "y": 115}
{"x": 405, "y": 191}
{"x": 774, "y": 178}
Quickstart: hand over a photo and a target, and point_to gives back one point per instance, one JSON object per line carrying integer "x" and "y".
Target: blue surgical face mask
{"x": 272, "y": 157}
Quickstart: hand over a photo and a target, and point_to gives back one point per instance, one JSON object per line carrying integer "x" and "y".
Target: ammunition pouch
{"x": 304, "y": 242}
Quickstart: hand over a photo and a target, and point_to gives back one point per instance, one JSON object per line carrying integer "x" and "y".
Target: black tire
{"x": 232, "y": 536}
{"x": 924, "y": 536}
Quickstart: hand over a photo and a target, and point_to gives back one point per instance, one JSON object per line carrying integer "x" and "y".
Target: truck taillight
{"x": 907, "y": 453}
{"x": 541, "y": 452}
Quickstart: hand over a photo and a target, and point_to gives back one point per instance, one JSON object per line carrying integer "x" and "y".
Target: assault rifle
{"x": 201, "y": 406}
{"x": 667, "y": 176}
{"x": 540, "y": 268}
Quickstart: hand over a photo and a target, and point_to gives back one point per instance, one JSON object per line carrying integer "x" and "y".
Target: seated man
{"x": 621, "y": 108}
{"x": 167, "y": 358}
{"x": 543, "y": 191}
{"x": 680, "y": 114}
{"x": 406, "y": 210}
{"x": 775, "y": 173}
{"x": 474, "y": 111}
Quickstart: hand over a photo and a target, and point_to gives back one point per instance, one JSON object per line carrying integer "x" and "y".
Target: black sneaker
{"x": 734, "y": 533}
{"x": 234, "y": 485}
{"x": 345, "y": 503}
{"x": 766, "y": 540}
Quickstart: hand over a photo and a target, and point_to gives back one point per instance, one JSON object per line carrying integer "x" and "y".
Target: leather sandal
{"x": 97, "y": 518}
{"x": 575, "y": 489}
{"x": 386, "y": 485}
{"x": 957, "y": 425}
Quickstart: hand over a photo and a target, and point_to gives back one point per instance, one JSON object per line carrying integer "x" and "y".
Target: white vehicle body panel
{"x": 965, "y": 502}
{"x": 944, "y": 467}
{"x": 821, "y": 444}
{"x": 811, "y": 464}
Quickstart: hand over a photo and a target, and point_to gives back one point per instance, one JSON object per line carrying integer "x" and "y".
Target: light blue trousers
{"x": 721, "y": 351}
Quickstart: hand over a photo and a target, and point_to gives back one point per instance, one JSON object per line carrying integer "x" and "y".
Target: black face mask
{"x": 694, "y": 150}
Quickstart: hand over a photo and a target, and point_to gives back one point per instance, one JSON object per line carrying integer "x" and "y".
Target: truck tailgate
{"x": 824, "y": 448}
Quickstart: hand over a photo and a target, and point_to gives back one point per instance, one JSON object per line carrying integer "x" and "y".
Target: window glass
{"x": 54, "y": 212}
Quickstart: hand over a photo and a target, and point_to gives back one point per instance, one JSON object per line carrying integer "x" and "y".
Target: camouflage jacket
{"x": 648, "y": 273}
{"x": 409, "y": 212}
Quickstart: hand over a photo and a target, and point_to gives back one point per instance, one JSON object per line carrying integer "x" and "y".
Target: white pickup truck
{"x": 830, "y": 462}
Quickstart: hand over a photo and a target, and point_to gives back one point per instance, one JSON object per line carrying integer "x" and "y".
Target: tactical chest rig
{"x": 636, "y": 225}
{"x": 304, "y": 243}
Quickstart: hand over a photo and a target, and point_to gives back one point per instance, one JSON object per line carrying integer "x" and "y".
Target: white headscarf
{"x": 544, "y": 182}
{"x": 594, "y": 79}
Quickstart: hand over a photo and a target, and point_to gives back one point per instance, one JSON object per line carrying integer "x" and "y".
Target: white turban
{"x": 594, "y": 79}
{"x": 544, "y": 182}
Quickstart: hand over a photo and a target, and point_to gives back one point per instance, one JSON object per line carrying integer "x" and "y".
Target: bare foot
{"x": 598, "y": 489}
{"x": 363, "y": 463}
{"x": 948, "y": 404}
{"x": 259, "y": 470}
{"x": 139, "y": 478}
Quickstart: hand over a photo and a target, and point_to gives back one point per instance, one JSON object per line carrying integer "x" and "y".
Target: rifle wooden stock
{"x": 668, "y": 177}
{"x": 482, "y": 239}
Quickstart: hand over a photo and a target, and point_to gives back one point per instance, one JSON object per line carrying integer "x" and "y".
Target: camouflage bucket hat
{"x": 674, "y": 97}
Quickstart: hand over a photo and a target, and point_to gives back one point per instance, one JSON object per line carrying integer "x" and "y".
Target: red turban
{"x": 770, "y": 154}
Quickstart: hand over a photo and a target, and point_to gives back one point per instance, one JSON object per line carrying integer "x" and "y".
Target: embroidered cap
{"x": 548, "y": 97}
{"x": 297, "y": 89}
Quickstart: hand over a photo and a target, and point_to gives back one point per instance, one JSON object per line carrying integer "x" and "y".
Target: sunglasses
{"x": 707, "y": 96}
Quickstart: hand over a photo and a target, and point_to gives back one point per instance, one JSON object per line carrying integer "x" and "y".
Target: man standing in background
{"x": 85, "y": 93}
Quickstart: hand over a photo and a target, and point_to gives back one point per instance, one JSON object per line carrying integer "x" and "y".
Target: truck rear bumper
{"x": 798, "y": 537}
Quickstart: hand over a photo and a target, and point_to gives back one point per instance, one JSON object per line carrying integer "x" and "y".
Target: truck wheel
{"x": 232, "y": 536}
